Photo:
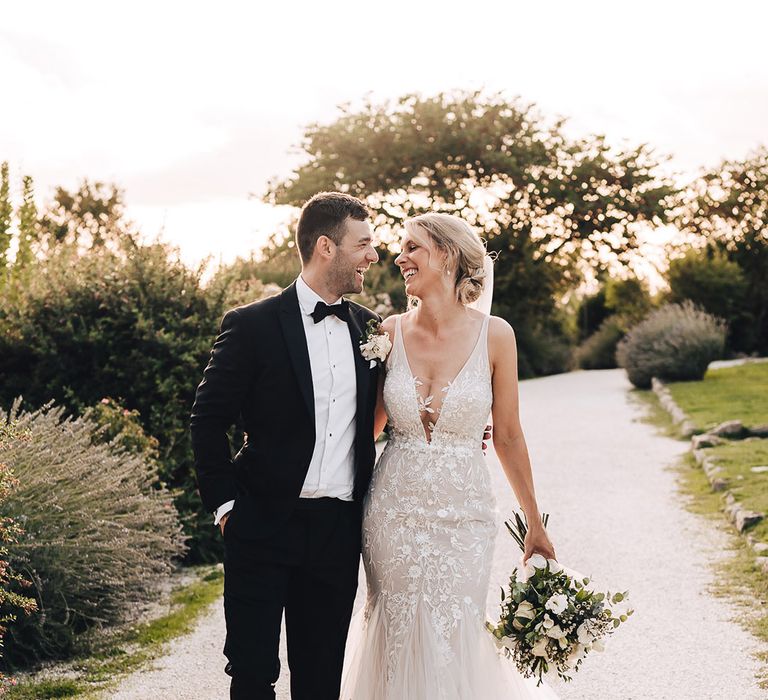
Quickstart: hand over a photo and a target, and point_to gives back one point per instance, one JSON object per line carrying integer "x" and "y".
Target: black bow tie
{"x": 341, "y": 311}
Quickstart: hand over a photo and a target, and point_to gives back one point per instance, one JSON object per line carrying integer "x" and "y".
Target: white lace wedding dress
{"x": 428, "y": 537}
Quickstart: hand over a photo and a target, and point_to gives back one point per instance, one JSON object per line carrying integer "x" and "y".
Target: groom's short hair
{"x": 324, "y": 215}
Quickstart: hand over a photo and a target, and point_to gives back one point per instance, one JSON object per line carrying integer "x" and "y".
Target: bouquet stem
{"x": 519, "y": 529}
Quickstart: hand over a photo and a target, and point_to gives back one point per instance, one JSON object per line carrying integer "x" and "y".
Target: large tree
{"x": 90, "y": 216}
{"x": 549, "y": 205}
{"x": 726, "y": 210}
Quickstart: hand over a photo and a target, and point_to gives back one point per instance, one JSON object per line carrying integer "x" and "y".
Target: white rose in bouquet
{"x": 525, "y": 610}
{"x": 554, "y": 566}
{"x": 557, "y": 603}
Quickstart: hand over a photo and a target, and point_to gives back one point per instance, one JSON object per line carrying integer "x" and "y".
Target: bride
{"x": 429, "y": 520}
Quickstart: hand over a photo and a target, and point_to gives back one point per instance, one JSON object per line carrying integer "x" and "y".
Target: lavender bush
{"x": 675, "y": 343}
{"x": 98, "y": 530}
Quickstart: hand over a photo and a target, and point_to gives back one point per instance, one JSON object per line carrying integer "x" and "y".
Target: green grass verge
{"x": 736, "y": 460}
{"x": 728, "y": 393}
{"x": 128, "y": 649}
{"x": 737, "y": 578}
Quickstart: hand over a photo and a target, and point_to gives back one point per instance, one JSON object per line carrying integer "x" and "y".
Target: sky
{"x": 192, "y": 107}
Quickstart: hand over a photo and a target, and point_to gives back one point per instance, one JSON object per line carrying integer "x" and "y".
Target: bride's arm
{"x": 508, "y": 438}
{"x": 380, "y": 416}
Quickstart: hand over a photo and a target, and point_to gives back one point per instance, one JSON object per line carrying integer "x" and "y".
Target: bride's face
{"x": 421, "y": 264}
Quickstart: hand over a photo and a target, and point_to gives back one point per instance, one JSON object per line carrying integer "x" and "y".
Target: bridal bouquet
{"x": 550, "y": 617}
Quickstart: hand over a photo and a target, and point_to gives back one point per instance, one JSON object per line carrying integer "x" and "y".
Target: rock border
{"x": 741, "y": 518}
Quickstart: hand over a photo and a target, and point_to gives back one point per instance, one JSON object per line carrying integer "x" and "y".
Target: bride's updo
{"x": 464, "y": 251}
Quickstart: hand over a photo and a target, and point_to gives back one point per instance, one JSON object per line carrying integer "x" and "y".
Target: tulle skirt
{"x": 418, "y": 669}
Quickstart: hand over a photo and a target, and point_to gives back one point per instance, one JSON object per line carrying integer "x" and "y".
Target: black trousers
{"x": 309, "y": 569}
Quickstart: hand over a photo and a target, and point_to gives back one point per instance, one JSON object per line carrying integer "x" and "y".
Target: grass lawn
{"x": 728, "y": 393}
{"x": 126, "y": 650}
{"x": 749, "y": 488}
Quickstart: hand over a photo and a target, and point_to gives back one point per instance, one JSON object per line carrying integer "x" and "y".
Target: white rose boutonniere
{"x": 375, "y": 343}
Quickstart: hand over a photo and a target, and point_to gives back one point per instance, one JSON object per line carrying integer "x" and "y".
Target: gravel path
{"x": 603, "y": 476}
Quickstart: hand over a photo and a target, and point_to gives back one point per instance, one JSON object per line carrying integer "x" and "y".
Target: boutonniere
{"x": 375, "y": 343}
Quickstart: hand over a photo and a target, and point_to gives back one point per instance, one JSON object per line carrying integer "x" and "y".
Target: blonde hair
{"x": 463, "y": 248}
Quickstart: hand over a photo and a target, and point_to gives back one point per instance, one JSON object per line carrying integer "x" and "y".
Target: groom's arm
{"x": 218, "y": 403}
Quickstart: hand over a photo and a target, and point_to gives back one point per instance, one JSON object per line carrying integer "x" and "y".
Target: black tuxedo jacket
{"x": 259, "y": 373}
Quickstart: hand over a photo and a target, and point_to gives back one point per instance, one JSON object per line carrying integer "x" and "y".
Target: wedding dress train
{"x": 428, "y": 538}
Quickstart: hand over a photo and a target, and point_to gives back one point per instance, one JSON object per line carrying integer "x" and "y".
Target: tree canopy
{"x": 550, "y": 205}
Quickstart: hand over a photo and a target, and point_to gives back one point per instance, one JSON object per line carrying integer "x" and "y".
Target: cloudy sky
{"x": 191, "y": 107}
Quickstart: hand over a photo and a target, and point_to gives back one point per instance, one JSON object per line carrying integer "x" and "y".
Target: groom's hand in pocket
{"x": 223, "y": 522}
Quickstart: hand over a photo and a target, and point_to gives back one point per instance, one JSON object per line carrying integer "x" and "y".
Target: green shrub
{"x": 122, "y": 427}
{"x": 133, "y": 324}
{"x": 591, "y": 311}
{"x": 715, "y": 284}
{"x": 675, "y": 343}
{"x": 99, "y": 530}
{"x": 599, "y": 350}
{"x": 628, "y": 298}
{"x": 12, "y": 601}
{"x": 542, "y": 351}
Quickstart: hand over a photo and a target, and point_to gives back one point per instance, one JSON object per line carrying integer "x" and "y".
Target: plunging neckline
{"x": 427, "y": 434}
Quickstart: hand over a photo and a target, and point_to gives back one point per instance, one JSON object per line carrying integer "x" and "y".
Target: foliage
{"x": 90, "y": 216}
{"x": 241, "y": 282}
{"x": 99, "y": 530}
{"x": 675, "y": 343}
{"x": 718, "y": 285}
{"x": 12, "y": 585}
{"x": 599, "y": 350}
{"x": 123, "y": 428}
{"x": 6, "y": 211}
{"x": 551, "y": 619}
{"x": 727, "y": 208}
{"x": 29, "y": 232}
{"x": 545, "y": 203}
{"x": 629, "y": 298}
{"x": 133, "y": 324}
{"x": 591, "y": 312}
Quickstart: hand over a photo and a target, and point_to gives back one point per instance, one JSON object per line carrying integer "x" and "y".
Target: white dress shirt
{"x": 331, "y": 470}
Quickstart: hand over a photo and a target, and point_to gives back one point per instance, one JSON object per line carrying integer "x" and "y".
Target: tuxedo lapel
{"x": 362, "y": 371}
{"x": 296, "y": 340}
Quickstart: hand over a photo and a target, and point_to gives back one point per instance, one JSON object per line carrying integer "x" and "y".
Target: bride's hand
{"x": 537, "y": 542}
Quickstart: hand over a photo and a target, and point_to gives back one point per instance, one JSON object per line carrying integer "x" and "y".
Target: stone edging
{"x": 679, "y": 418}
{"x": 741, "y": 518}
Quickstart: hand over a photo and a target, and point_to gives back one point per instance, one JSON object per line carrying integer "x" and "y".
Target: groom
{"x": 289, "y": 503}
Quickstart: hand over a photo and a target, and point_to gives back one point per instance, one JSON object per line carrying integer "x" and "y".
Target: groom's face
{"x": 352, "y": 258}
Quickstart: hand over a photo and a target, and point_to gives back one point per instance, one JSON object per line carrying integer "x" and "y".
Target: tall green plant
{"x": 28, "y": 226}
{"x": 6, "y": 212}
